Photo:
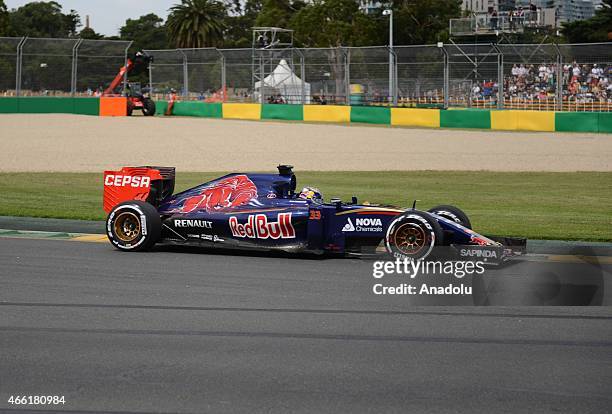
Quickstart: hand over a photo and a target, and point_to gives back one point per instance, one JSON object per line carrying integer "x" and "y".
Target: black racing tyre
{"x": 133, "y": 226}
{"x": 452, "y": 213}
{"x": 413, "y": 235}
{"x": 130, "y": 107}
{"x": 148, "y": 107}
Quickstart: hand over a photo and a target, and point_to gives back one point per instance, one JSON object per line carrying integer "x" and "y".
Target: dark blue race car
{"x": 264, "y": 211}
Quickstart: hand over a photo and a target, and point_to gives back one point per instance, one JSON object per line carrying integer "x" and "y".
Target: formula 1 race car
{"x": 264, "y": 211}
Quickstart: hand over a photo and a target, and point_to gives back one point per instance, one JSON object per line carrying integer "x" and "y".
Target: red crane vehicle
{"x": 136, "y": 99}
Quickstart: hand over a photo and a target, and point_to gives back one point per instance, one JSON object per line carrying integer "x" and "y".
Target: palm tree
{"x": 196, "y": 23}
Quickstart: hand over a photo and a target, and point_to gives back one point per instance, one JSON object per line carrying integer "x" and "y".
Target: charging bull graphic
{"x": 222, "y": 195}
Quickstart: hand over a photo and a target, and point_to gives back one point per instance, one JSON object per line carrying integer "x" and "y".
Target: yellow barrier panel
{"x": 523, "y": 120}
{"x": 536, "y": 121}
{"x": 241, "y": 111}
{"x": 504, "y": 120}
{"x": 415, "y": 117}
{"x": 327, "y": 113}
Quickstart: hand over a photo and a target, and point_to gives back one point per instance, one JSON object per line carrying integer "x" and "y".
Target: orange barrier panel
{"x": 113, "y": 106}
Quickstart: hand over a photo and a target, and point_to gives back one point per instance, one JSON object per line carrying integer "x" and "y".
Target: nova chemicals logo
{"x": 363, "y": 225}
{"x": 258, "y": 227}
{"x": 348, "y": 226}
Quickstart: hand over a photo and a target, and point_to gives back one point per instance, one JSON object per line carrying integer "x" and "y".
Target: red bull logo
{"x": 258, "y": 227}
{"x": 222, "y": 195}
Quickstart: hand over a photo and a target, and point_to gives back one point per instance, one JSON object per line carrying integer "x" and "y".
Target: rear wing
{"x": 150, "y": 184}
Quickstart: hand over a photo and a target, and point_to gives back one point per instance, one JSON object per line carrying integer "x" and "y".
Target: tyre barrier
{"x": 501, "y": 120}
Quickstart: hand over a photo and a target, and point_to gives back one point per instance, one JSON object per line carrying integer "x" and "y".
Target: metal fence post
{"x": 303, "y": 78}
{"x": 262, "y": 81}
{"x": 75, "y": 60}
{"x": 559, "y": 75}
{"x": 223, "y": 78}
{"x": 19, "y": 64}
{"x": 446, "y": 75}
{"x": 347, "y": 73}
{"x": 500, "y": 77}
{"x": 302, "y": 75}
{"x": 185, "y": 74}
{"x": 125, "y": 74}
{"x": 150, "y": 79}
{"x": 394, "y": 81}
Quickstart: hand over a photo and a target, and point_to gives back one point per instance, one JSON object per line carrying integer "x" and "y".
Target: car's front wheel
{"x": 413, "y": 235}
{"x": 133, "y": 226}
{"x": 452, "y": 213}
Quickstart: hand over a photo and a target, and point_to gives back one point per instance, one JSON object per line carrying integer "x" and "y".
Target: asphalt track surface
{"x": 197, "y": 331}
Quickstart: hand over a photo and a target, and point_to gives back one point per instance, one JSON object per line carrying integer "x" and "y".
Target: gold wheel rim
{"x": 127, "y": 227}
{"x": 410, "y": 238}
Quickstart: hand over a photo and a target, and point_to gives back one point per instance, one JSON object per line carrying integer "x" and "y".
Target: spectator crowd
{"x": 582, "y": 83}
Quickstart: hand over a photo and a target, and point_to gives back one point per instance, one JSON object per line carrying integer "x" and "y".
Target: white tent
{"x": 282, "y": 80}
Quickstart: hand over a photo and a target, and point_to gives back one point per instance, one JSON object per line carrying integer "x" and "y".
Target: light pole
{"x": 389, "y": 12}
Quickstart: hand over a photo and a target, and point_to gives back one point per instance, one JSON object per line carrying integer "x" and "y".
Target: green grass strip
{"x": 537, "y": 205}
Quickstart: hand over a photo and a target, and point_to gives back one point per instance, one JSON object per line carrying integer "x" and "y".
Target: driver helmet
{"x": 311, "y": 193}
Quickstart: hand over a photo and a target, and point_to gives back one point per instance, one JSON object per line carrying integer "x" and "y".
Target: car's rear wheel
{"x": 130, "y": 107}
{"x": 452, "y": 213}
{"x": 148, "y": 107}
{"x": 413, "y": 235}
{"x": 133, "y": 226}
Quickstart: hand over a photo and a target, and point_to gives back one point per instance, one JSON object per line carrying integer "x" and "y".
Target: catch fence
{"x": 59, "y": 67}
{"x": 568, "y": 77}
{"x": 546, "y": 76}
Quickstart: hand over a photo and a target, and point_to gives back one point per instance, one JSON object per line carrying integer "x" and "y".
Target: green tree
{"x": 71, "y": 22}
{"x": 4, "y": 19}
{"x": 277, "y": 13}
{"x": 196, "y": 23}
{"x": 147, "y": 32}
{"x": 43, "y": 19}
{"x": 330, "y": 23}
{"x": 596, "y": 29}
{"x": 423, "y": 21}
{"x": 239, "y": 24}
{"x": 90, "y": 34}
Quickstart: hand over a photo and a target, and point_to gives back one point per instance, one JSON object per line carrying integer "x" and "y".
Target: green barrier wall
{"x": 9, "y": 105}
{"x": 469, "y": 118}
{"x": 50, "y": 105}
{"x": 577, "y": 121}
{"x": 201, "y": 109}
{"x": 285, "y": 112}
{"x": 371, "y": 115}
{"x": 46, "y": 105}
{"x": 160, "y": 107}
{"x": 605, "y": 122}
{"x": 466, "y": 119}
{"x": 86, "y": 106}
